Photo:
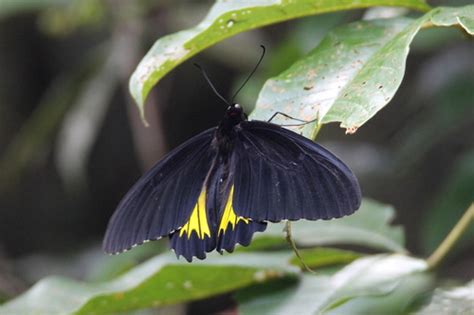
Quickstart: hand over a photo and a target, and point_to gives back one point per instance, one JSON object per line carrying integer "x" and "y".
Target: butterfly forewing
{"x": 281, "y": 175}
{"x": 164, "y": 198}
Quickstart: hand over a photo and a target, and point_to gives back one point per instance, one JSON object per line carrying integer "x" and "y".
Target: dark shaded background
{"x": 416, "y": 154}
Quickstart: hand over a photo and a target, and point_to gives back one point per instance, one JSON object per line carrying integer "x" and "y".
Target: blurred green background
{"x": 72, "y": 143}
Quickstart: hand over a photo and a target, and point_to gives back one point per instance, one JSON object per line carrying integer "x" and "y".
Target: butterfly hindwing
{"x": 196, "y": 236}
{"x": 163, "y": 200}
{"x": 281, "y": 175}
{"x": 234, "y": 229}
{"x": 215, "y": 206}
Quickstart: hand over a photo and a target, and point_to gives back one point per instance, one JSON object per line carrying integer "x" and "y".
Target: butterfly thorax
{"x": 226, "y": 131}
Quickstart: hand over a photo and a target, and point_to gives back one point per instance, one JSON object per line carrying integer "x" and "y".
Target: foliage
{"x": 348, "y": 77}
{"x": 377, "y": 275}
{"x": 226, "y": 19}
{"x": 163, "y": 280}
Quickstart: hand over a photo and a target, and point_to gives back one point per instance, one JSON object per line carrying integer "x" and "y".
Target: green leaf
{"x": 369, "y": 227}
{"x": 463, "y": 16}
{"x": 302, "y": 298}
{"x": 228, "y": 18}
{"x": 324, "y": 257}
{"x": 162, "y": 280}
{"x": 348, "y": 77}
{"x": 351, "y": 75}
{"x": 10, "y": 7}
{"x": 453, "y": 301}
{"x": 399, "y": 301}
{"x": 370, "y": 276}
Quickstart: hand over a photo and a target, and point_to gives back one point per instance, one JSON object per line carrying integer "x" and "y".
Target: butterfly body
{"x": 220, "y": 187}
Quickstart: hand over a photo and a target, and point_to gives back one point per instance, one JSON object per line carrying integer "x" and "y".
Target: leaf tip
{"x": 139, "y": 94}
{"x": 351, "y": 130}
{"x": 142, "y": 116}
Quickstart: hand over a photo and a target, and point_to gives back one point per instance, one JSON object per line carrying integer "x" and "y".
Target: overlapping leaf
{"x": 352, "y": 74}
{"x": 225, "y": 19}
{"x": 401, "y": 300}
{"x": 449, "y": 16}
{"x": 371, "y": 276}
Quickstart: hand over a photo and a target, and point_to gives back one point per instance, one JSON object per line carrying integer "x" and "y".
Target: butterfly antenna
{"x": 251, "y": 73}
{"x": 203, "y": 72}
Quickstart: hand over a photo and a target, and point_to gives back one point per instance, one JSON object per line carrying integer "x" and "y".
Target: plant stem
{"x": 292, "y": 243}
{"x": 443, "y": 249}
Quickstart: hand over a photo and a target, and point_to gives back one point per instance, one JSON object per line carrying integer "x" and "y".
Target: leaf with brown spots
{"x": 160, "y": 281}
{"x": 353, "y": 73}
{"x": 226, "y": 19}
{"x": 348, "y": 73}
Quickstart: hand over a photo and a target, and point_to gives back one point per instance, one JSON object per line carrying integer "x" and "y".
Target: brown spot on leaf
{"x": 311, "y": 74}
{"x": 277, "y": 89}
{"x": 118, "y": 296}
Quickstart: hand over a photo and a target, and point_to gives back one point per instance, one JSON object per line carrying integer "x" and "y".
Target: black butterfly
{"x": 221, "y": 186}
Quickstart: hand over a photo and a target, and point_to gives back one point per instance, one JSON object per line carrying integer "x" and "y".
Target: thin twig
{"x": 443, "y": 249}
{"x": 291, "y": 241}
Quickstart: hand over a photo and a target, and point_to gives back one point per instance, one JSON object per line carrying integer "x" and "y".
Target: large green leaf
{"x": 160, "y": 281}
{"x": 370, "y": 276}
{"x": 352, "y": 74}
{"x": 227, "y": 18}
{"x": 368, "y": 227}
{"x": 324, "y": 257}
{"x": 408, "y": 292}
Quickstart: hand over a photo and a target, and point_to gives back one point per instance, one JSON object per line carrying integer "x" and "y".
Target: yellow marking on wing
{"x": 198, "y": 219}
{"x": 229, "y": 216}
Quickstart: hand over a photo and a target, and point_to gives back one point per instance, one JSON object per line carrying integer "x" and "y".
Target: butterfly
{"x": 221, "y": 186}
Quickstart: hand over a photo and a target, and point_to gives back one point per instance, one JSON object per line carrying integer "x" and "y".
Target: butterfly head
{"x": 235, "y": 113}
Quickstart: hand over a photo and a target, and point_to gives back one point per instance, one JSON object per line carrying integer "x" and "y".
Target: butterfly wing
{"x": 225, "y": 228}
{"x": 282, "y": 175}
{"x": 164, "y": 198}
